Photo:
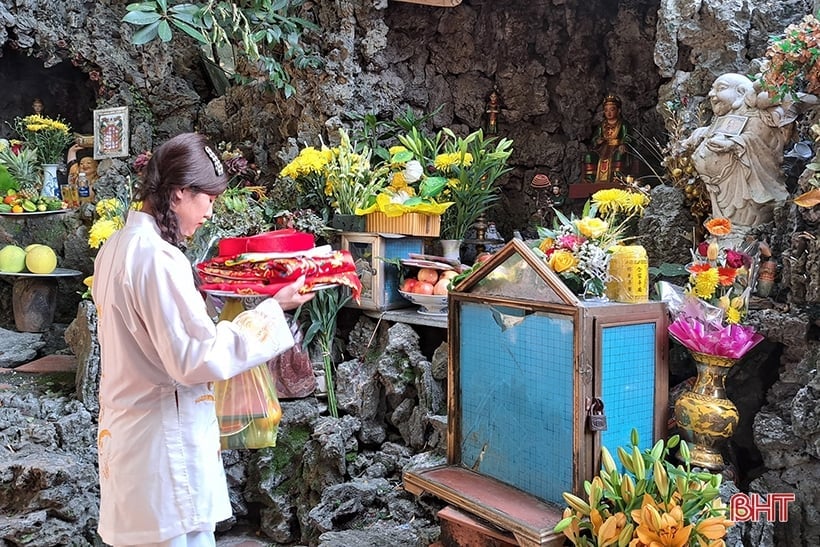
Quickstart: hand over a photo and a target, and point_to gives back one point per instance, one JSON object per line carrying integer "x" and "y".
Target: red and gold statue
{"x": 608, "y": 157}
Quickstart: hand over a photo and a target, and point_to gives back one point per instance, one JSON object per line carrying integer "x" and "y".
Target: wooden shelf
{"x": 586, "y": 189}
{"x": 527, "y": 518}
{"x": 410, "y": 316}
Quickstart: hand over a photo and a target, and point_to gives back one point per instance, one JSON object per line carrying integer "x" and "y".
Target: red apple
{"x": 428, "y": 275}
{"x": 483, "y": 257}
{"x": 448, "y": 274}
{"x": 409, "y": 284}
{"x": 441, "y": 287}
{"x": 423, "y": 287}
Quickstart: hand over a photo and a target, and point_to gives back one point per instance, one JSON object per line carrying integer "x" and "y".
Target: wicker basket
{"x": 410, "y": 224}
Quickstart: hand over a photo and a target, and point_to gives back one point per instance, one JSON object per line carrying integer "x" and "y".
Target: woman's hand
{"x": 289, "y": 297}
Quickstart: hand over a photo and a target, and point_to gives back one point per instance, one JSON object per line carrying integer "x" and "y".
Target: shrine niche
{"x": 63, "y": 90}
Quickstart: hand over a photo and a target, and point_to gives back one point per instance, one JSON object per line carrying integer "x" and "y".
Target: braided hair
{"x": 185, "y": 161}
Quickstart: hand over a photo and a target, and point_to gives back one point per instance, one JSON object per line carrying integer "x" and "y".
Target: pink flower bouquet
{"x": 701, "y": 327}
{"x": 732, "y": 341}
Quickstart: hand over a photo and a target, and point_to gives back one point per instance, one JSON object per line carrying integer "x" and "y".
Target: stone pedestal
{"x": 34, "y": 301}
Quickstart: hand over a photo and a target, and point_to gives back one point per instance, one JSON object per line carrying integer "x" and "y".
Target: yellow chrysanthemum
{"x": 445, "y": 162}
{"x": 733, "y": 316}
{"x": 310, "y": 160}
{"x": 637, "y": 202}
{"x": 102, "y": 230}
{"x": 393, "y": 150}
{"x": 398, "y": 182}
{"x": 706, "y": 282}
{"x": 609, "y": 201}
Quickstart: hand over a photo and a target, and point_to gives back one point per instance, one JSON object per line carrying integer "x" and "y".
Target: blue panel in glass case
{"x": 628, "y": 384}
{"x": 516, "y": 375}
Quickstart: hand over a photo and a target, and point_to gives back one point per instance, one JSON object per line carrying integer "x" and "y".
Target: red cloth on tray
{"x": 260, "y": 273}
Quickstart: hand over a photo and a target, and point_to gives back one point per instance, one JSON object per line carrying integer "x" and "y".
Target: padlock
{"x": 596, "y": 419}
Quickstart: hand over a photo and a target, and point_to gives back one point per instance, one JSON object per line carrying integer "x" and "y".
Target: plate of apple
{"x": 428, "y": 290}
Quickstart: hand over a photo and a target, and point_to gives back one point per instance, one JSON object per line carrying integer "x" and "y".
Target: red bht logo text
{"x": 748, "y": 507}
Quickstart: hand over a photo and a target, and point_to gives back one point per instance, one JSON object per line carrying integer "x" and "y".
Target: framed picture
{"x": 731, "y": 125}
{"x": 110, "y": 132}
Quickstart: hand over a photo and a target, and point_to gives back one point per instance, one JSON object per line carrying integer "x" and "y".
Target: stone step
{"x": 49, "y": 363}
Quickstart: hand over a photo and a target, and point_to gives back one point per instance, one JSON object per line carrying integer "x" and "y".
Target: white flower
{"x": 413, "y": 171}
{"x": 400, "y": 196}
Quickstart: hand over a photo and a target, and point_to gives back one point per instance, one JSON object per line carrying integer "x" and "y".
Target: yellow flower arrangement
{"x": 719, "y": 274}
{"x": 444, "y": 175}
{"x": 579, "y": 249}
{"x": 339, "y": 179}
{"x": 51, "y": 137}
{"x": 708, "y": 312}
{"x": 110, "y": 218}
{"x": 651, "y": 503}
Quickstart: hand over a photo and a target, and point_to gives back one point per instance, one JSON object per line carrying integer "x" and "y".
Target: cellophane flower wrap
{"x": 708, "y": 313}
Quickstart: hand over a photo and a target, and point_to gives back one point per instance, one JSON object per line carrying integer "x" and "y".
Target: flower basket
{"x": 411, "y": 224}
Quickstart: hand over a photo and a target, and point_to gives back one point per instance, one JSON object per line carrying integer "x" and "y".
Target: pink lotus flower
{"x": 713, "y": 338}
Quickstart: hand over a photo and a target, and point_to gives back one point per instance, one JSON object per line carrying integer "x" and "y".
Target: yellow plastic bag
{"x": 248, "y": 409}
{"x": 247, "y": 406}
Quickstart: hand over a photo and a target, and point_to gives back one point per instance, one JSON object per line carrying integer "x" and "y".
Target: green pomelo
{"x": 12, "y": 259}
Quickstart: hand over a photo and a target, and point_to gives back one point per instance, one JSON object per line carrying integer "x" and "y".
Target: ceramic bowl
{"x": 429, "y": 304}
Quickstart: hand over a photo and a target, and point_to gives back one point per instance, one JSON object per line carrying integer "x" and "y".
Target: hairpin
{"x": 219, "y": 169}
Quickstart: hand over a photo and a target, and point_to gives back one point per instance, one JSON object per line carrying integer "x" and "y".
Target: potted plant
{"x": 446, "y": 175}
{"x": 647, "y": 501}
{"x": 51, "y": 138}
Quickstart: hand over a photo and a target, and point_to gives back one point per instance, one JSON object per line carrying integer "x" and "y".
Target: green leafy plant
{"x": 24, "y": 170}
{"x": 471, "y": 165}
{"x": 265, "y": 33}
{"x": 339, "y": 179}
{"x": 650, "y": 502}
{"x": 322, "y": 313}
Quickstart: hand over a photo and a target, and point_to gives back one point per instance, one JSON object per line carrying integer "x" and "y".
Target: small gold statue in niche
{"x": 609, "y": 158}
{"x": 492, "y": 113}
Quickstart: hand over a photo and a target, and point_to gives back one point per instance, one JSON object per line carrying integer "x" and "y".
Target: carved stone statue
{"x": 608, "y": 156}
{"x": 739, "y": 154}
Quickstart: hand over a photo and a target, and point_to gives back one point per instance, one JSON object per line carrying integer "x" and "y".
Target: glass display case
{"x": 528, "y": 363}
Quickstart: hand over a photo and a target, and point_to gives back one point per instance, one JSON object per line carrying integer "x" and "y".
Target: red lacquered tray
{"x": 278, "y": 241}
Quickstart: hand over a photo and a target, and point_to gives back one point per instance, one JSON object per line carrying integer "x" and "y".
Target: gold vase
{"x": 707, "y": 419}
